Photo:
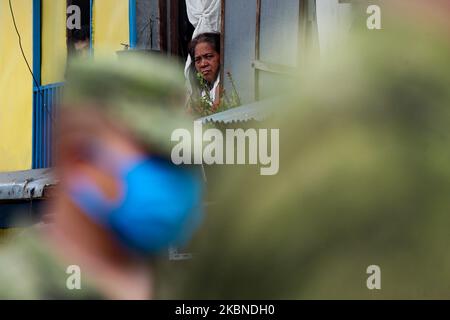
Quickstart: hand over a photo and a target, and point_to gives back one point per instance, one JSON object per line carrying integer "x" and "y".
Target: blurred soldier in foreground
{"x": 364, "y": 179}
{"x": 120, "y": 200}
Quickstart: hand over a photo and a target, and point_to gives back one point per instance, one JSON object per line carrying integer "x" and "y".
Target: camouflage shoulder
{"x": 30, "y": 270}
{"x": 18, "y": 277}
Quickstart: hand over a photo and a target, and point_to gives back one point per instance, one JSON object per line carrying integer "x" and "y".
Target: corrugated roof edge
{"x": 25, "y": 185}
{"x": 258, "y": 111}
{"x": 30, "y": 184}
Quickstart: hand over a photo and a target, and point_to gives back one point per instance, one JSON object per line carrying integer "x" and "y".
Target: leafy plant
{"x": 203, "y": 105}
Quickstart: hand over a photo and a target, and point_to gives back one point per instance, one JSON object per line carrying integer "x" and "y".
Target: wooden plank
{"x": 163, "y": 25}
{"x": 222, "y": 44}
{"x": 257, "y": 45}
{"x": 174, "y": 27}
{"x": 272, "y": 67}
{"x": 303, "y": 32}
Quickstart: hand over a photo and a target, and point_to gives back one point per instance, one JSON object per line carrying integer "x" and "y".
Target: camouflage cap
{"x": 143, "y": 92}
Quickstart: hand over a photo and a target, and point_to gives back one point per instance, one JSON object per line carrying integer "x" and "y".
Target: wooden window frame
{"x": 259, "y": 65}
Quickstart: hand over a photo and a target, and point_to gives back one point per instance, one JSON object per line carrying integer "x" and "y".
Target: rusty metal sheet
{"x": 25, "y": 185}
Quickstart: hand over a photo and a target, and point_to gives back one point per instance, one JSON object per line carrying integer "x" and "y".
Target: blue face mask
{"x": 159, "y": 205}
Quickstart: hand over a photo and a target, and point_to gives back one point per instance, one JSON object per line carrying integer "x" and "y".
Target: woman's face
{"x": 207, "y": 61}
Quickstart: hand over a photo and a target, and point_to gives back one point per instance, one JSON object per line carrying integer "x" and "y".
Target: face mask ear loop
{"x": 88, "y": 197}
{"x": 113, "y": 161}
{"x": 86, "y": 194}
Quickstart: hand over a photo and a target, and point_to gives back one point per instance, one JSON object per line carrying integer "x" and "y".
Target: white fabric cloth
{"x": 212, "y": 92}
{"x": 204, "y": 15}
{"x": 333, "y": 23}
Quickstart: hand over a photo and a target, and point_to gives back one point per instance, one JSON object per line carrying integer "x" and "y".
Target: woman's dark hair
{"x": 76, "y": 35}
{"x": 82, "y": 34}
{"x": 213, "y": 38}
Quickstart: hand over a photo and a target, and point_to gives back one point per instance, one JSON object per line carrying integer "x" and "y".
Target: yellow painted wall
{"x": 111, "y": 26}
{"x": 15, "y": 87}
{"x": 54, "y": 46}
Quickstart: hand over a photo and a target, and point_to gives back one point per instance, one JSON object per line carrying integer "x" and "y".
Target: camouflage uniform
{"x": 31, "y": 270}
{"x": 364, "y": 180}
{"x": 145, "y": 94}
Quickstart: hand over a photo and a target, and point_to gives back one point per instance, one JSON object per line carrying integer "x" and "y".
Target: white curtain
{"x": 204, "y": 15}
{"x": 333, "y": 22}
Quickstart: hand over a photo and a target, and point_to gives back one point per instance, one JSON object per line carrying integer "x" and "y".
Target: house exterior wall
{"x": 239, "y": 46}
{"x": 16, "y": 86}
{"x": 54, "y": 46}
{"x": 111, "y": 26}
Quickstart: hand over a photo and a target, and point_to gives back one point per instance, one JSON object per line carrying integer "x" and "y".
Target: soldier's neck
{"x": 118, "y": 274}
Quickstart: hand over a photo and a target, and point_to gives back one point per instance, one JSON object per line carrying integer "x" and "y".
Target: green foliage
{"x": 203, "y": 105}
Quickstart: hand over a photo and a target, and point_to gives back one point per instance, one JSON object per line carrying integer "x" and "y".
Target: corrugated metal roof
{"x": 25, "y": 185}
{"x": 255, "y": 111}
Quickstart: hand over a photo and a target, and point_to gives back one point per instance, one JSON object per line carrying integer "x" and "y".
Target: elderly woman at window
{"x": 204, "y": 50}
